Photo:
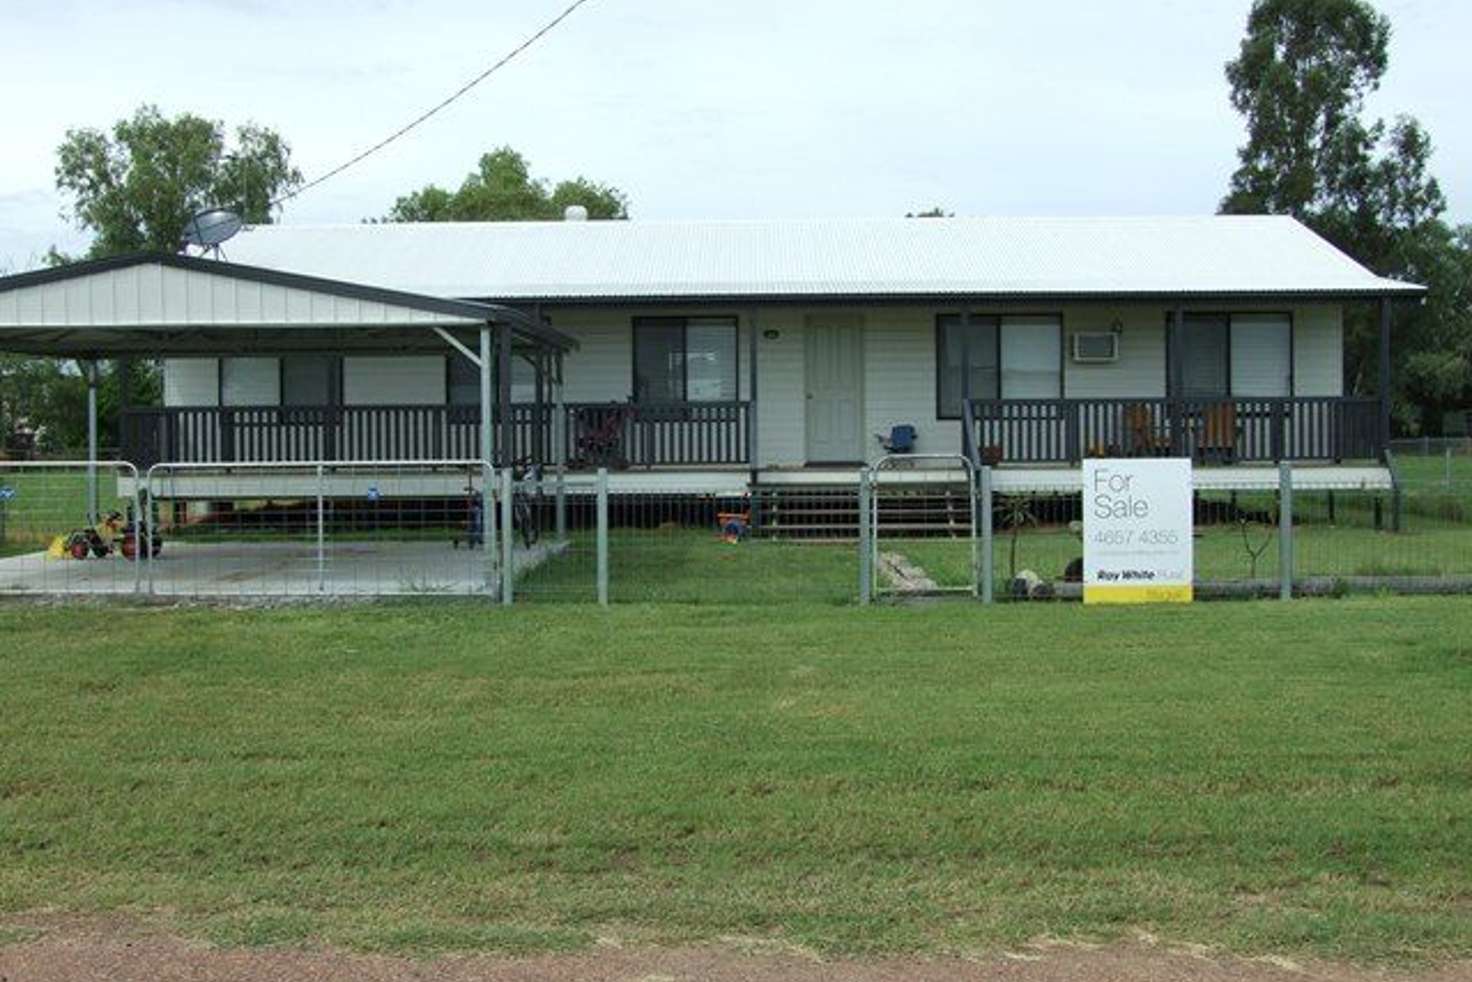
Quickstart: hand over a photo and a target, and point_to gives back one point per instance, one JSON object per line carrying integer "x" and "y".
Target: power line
{"x": 505, "y": 59}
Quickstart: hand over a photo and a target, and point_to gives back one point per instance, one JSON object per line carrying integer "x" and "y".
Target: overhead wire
{"x": 438, "y": 107}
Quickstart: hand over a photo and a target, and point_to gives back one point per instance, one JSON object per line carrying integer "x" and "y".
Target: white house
{"x": 743, "y": 352}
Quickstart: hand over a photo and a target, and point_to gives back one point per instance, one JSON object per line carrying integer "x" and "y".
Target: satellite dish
{"x": 211, "y": 227}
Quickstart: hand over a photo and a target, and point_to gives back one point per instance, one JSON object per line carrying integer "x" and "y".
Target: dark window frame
{"x": 683, "y": 321}
{"x": 996, "y": 319}
{"x": 1287, "y": 315}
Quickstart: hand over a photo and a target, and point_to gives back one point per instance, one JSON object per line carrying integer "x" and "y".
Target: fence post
{"x": 508, "y": 537}
{"x": 321, "y": 533}
{"x": 973, "y": 493}
{"x": 874, "y": 523}
{"x": 561, "y": 506}
{"x": 987, "y": 553}
{"x": 602, "y": 536}
{"x": 866, "y": 559}
{"x": 1285, "y": 531}
{"x": 146, "y": 522}
{"x": 140, "y": 543}
{"x": 488, "y": 523}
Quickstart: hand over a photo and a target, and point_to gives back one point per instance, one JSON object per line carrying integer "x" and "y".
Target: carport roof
{"x": 152, "y": 303}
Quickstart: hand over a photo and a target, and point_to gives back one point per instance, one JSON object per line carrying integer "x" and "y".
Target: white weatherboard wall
{"x": 1138, "y": 372}
{"x": 899, "y": 380}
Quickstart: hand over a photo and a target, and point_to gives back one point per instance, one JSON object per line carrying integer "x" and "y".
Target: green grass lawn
{"x": 1260, "y": 776}
{"x": 695, "y": 566}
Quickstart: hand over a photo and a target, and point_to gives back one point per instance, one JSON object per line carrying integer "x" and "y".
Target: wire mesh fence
{"x": 1425, "y": 463}
{"x": 67, "y": 527}
{"x": 906, "y": 529}
{"x": 322, "y": 530}
{"x": 922, "y": 527}
{"x": 693, "y": 544}
{"x": 1415, "y": 536}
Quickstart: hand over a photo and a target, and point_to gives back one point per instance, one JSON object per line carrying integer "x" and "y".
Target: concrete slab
{"x": 363, "y": 568}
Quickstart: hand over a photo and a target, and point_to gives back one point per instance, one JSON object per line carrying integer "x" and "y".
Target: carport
{"x": 158, "y": 305}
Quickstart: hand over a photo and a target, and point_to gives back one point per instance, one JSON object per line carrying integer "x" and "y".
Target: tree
{"x": 501, "y": 189}
{"x": 135, "y": 188}
{"x": 1300, "y": 79}
{"x": 936, "y": 212}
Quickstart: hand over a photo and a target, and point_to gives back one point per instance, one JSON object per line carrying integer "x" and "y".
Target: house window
{"x": 462, "y": 380}
{"x": 685, "y": 359}
{"x": 1206, "y": 356}
{"x": 250, "y": 382}
{"x": 1011, "y": 357}
{"x": 306, "y": 380}
{"x": 1241, "y": 355}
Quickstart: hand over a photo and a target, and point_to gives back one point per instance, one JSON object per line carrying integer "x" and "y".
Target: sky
{"x": 751, "y": 109}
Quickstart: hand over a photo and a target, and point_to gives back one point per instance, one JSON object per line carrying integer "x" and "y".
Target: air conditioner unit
{"x": 1094, "y": 347}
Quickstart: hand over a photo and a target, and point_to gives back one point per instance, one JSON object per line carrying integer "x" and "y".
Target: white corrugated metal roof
{"x": 511, "y": 261}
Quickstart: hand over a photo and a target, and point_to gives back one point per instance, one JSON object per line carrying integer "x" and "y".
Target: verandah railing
{"x": 618, "y": 434}
{"x": 594, "y": 433}
{"x": 1046, "y": 431}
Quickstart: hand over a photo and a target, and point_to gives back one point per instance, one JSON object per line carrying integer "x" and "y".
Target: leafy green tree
{"x": 501, "y": 189}
{"x": 1300, "y": 79}
{"x": 136, "y": 187}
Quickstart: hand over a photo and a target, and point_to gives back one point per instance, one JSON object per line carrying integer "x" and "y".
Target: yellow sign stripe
{"x": 1131, "y": 594}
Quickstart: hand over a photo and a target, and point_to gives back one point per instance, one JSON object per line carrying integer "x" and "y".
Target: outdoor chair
{"x": 901, "y": 439}
{"x": 1144, "y": 439}
{"x": 1217, "y": 441}
{"x": 599, "y": 436}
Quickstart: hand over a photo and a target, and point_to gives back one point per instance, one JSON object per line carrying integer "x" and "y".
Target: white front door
{"x": 835, "y": 388}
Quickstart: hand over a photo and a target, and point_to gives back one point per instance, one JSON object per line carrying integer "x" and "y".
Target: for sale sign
{"x": 1137, "y": 531}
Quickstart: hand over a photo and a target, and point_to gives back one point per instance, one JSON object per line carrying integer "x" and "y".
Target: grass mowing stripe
{"x": 420, "y": 777}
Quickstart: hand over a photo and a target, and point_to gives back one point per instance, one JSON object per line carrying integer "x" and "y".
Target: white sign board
{"x": 1137, "y": 530}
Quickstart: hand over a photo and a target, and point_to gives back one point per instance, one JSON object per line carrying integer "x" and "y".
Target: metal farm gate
{"x": 921, "y": 527}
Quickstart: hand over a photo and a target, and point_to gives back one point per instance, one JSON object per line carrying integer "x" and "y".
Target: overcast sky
{"x": 716, "y": 109}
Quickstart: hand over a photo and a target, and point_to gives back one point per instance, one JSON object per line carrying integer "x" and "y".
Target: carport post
{"x": 984, "y": 513}
{"x": 503, "y": 395}
{"x": 488, "y": 486}
{"x": 91, "y": 372}
{"x": 1285, "y": 531}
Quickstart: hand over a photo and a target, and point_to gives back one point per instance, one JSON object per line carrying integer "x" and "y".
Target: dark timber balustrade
{"x": 596, "y": 434}
{"x": 1053, "y": 431}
